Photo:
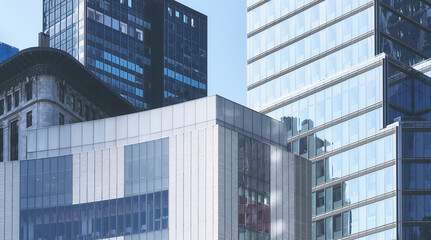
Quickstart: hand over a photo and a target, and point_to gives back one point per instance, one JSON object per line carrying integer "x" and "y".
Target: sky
{"x": 21, "y": 21}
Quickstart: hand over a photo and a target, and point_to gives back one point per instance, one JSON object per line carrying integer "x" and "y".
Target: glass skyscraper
{"x": 6, "y": 51}
{"x": 339, "y": 73}
{"x": 125, "y": 43}
{"x": 184, "y": 53}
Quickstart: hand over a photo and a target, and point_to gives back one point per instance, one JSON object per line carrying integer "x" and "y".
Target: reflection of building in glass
{"x": 153, "y": 53}
{"x": 338, "y": 73}
{"x": 204, "y": 169}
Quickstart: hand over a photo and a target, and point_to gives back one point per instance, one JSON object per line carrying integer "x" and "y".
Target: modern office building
{"x": 6, "y": 51}
{"x": 42, "y": 87}
{"x": 204, "y": 169}
{"x": 184, "y": 53}
{"x": 338, "y": 73}
{"x": 151, "y": 52}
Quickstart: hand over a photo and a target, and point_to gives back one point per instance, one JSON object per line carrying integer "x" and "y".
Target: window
{"x": 61, "y": 93}
{"x": 192, "y": 22}
{"x": 9, "y": 102}
{"x": 320, "y": 172}
{"x": 78, "y": 107}
{"x": 29, "y": 90}
{"x": 99, "y": 17}
{"x": 87, "y": 113}
{"x": 14, "y": 140}
{"x": 91, "y": 14}
{"x": 320, "y": 229}
{"x": 72, "y": 103}
{"x": 177, "y": 14}
{"x": 1, "y": 106}
{"x": 185, "y": 19}
{"x": 320, "y": 201}
{"x": 123, "y": 27}
{"x": 61, "y": 119}
{"x": 1, "y": 144}
{"x": 337, "y": 227}
{"x": 16, "y": 98}
{"x": 140, "y": 34}
{"x": 129, "y": 3}
{"x": 336, "y": 196}
{"x": 29, "y": 119}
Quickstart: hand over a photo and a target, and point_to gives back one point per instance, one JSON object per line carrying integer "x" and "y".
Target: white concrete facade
{"x": 203, "y": 168}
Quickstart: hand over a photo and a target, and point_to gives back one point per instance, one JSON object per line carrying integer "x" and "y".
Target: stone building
{"x": 42, "y": 87}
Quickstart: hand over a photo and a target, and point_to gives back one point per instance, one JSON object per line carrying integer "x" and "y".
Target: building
{"x": 42, "y": 87}
{"x": 6, "y": 51}
{"x": 153, "y": 53}
{"x": 184, "y": 53}
{"x": 338, "y": 73}
{"x": 204, "y": 169}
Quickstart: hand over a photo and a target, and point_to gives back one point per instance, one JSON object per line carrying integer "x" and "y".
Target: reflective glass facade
{"x": 254, "y": 213}
{"x": 48, "y": 209}
{"x": 315, "y": 65}
{"x": 404, "y": 30}
{"x": 6, "y": 51}
{"x": 128, "y": 45}
{"x": 415, "y": 184}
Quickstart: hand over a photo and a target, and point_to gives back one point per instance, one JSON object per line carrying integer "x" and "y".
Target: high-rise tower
{"x": 153, "y": 53}
{"x": 339, "y": 73}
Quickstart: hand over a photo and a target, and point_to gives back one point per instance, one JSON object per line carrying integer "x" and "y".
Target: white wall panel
{"x": 105, "y": 174}
{"x": 187, "y": 186}
{"x": 202, "y": 187}
{"x": 76, "y": 159}
{"x": 209, "y": 180}
{"x": 91, "y": 177}
{"x": 120, "y": 172}
{"x": 180, "y": 188}
{"x": 113, "y": 168}
{"x": 83, "y": 173}
{"x": 194, "y": 185}
{"x": 98, "y": 176}
{"x": 216, "y": 180}
{"x": 172, "y": 185}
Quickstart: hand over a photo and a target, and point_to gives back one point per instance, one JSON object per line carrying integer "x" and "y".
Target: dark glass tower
{"x": 126, "y": 43}
{"x": 6, "y": 51}
{"x": 184, "y": 53}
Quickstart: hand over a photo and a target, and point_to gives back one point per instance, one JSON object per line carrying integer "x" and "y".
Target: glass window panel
{"x": 337, "y": 227}
{"x": 320, "y": 172}
{"x": 320, "y": 229}
{"x": 320, "y": 201}
{"x": 346, "y": 224}
{"x": 150, "y": 212}
{"x": 328, "y": 194}
{"x": 328, "y": 230}
{"x": 362, "y": 216}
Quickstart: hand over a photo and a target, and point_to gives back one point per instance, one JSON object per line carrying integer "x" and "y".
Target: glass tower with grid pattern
{"x": 6, "y": 51}
{"x": 351, "y": 80}
{"x": 127, "y": 44}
